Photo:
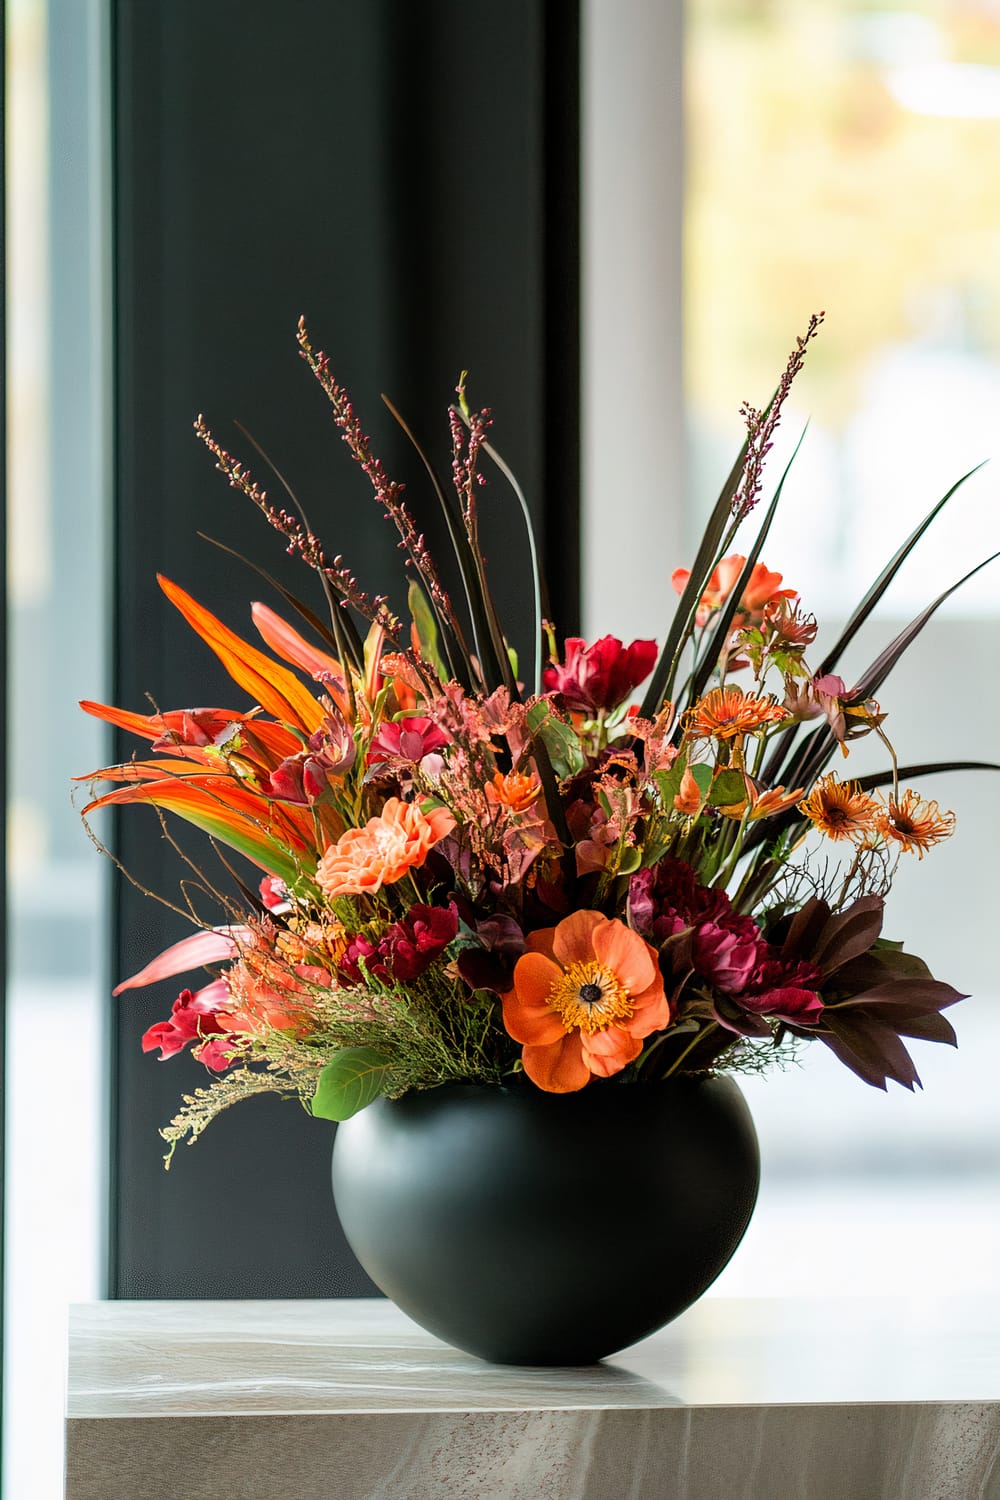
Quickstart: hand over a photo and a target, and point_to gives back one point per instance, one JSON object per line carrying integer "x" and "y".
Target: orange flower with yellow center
{"x": 840, "y": 810}
{"x": 364, "y": 859}
{"x": 585, "y": 995}
{"x": 727, "y": 713}
{"x": 915, "y": 825}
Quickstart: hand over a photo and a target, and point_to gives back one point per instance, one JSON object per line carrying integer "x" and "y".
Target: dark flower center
{"x": 590, "y": 994}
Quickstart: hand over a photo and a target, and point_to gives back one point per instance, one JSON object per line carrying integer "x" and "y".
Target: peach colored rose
{"x": 399, "y": 839}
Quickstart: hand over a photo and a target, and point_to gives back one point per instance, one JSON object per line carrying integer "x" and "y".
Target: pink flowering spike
{"x": 600, "y": 676}
{"x": 190, "y": 953}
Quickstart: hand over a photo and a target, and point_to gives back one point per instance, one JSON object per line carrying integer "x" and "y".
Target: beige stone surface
{"x": 749, "y": 1400}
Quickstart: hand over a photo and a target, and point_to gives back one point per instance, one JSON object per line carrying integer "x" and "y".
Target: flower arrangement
{"x": 472, "y": 876}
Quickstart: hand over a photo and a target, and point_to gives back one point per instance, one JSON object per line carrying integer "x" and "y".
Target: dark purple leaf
{"x": 849, "y": 934}
{"x": 875, "y": 1052}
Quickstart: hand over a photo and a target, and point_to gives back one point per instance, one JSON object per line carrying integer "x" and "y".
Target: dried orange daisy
{"x": 585, "y": 994}
{"x": 762, "y": 804}
{"x": 364, "y": 859}
{"x": 840, "y": 810}
{"x": 915, "y": 825}
{"x": 727, "y": 713}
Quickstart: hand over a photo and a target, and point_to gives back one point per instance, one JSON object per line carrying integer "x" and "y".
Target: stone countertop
{"x": 837, "y": 1399}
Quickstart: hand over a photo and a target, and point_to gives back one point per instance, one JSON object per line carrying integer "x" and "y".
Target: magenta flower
{"x": 727, "y": 957}
{"x": 273, "y": 892}
{"x": 304, "y": 778}
{"x": 600, "y": 676}
{"x": 194, "y": 1016}
{"x": 406, "y": 739}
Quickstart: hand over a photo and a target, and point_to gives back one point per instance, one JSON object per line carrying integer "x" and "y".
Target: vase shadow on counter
{"x": 530, "y": 1228}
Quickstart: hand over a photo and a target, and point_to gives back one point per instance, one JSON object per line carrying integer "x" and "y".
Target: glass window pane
{"x": 841, "y": 156}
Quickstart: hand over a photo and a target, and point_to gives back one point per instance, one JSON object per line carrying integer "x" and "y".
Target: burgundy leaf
{"x": 873, "y": 1051}
{"x": 849, "y": 934}
{"x": 918, "y": 995}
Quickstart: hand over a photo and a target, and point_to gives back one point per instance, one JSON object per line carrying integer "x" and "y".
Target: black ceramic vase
{"x": 548, "y": 1229}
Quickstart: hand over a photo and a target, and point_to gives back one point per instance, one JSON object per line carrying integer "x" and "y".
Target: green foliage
{"x": 559, "y": 738}
{"x": 350, "y": 1081}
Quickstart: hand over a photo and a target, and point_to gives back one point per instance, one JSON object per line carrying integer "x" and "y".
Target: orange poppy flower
{"x": 364, "y": 859}
{"x": 585, "y": 994}
{"x": 915, "y": 825}
{"x": 727, "y": 713}
{"x": 840, "y": 810}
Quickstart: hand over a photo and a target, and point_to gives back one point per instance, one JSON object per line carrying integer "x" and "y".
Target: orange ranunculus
{"x": 585, "y": 994}
{"x": 399, "y": 839}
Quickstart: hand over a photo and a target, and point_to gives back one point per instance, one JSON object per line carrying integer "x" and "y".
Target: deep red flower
{"x": 405, "y": 950}
{"x": 599, "y": 676}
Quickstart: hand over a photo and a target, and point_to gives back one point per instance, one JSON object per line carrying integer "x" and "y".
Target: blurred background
{"x": 743, "y": 163}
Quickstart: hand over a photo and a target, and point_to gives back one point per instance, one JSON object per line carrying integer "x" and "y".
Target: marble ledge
{"x": 756, "y": 1399}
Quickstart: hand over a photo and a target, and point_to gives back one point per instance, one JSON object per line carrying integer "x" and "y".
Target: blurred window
{"x": 842, "y": 156}
{"x": 58, "y": 580}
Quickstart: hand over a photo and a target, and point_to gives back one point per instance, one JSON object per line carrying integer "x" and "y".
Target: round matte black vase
{"x": 548, "y": 1229}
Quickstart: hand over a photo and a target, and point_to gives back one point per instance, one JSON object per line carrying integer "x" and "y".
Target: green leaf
{"x": 558, "y": 737}
{"x": 669, "y": 782}
{"x": 728, "y": 787}
{"x": 427, "y": 631}
{"x": 703, "y": 778}
{"x": 349, "y": 1082}
{"x": 718, "y": 530}
{"x": 630, "y": 861}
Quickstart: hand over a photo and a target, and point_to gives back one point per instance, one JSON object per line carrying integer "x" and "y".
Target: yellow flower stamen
{"x": 590, "y": 997}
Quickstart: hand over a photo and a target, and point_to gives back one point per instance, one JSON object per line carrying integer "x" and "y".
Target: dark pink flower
{"x": 193, "y": 1017}
{"x": 779, "y": 989}
{"x": 490, "y": 966}
{"x": 727, "y": 957}
{"x": 304, "y": 778}
{"x": 406, "y": 739}
{"x": 600, "y": 676}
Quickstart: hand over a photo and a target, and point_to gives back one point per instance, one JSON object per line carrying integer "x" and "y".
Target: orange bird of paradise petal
{"x": 159, "y": 726}
{"x": 271, "y": 836}
{"x": 277, "y": 690}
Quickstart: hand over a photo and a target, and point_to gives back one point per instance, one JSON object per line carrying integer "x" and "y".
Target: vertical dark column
{"x": 387, "y": 170}
{"x": 3, "y": 671}
{"x": 561, "y": 231}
